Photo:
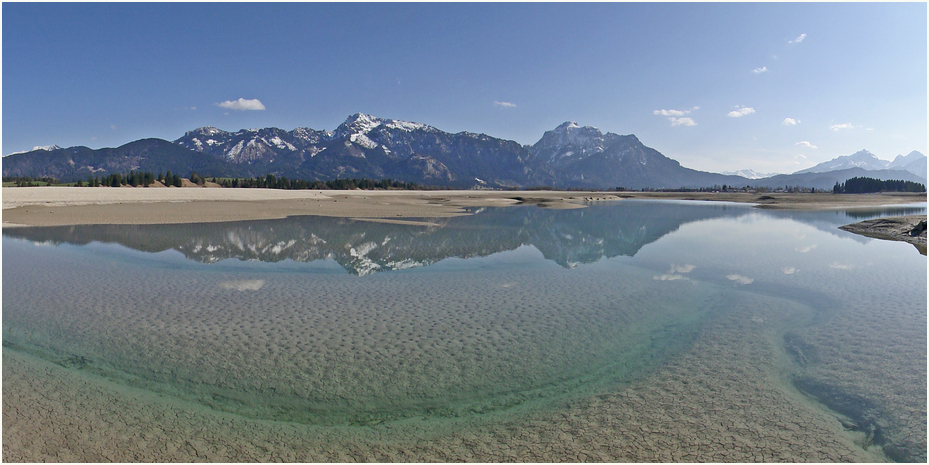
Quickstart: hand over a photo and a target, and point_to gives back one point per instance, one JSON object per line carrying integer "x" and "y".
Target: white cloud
{"x": 789, "y": 270}
{"x": 840, "y": 266}
{"x": 741, "y": 112}
{"x": 798, "y": 39}
{"x": 242, "y": 104}
{"x": 790, "y": 122}
{"x": 112, "y": 126}
{"x": 505, "y": 104}
{"x": 675, "y": 113}
{"x": 682, "y": 121}
{"x": 805, "y": 249}
{"x": 800, "y": 156}
{"x": 805, "y": 143}
{"x": 668, "y": 277}
{"x": 763, "y": 69}
{"x": 839, "y": 127}
{"x": 671, "y": 112}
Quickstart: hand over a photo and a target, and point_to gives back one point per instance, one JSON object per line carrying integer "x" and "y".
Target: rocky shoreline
{"x": 910, "y": 229}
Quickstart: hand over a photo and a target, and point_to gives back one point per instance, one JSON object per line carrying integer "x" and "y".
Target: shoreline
{"x": 60, "y": 206}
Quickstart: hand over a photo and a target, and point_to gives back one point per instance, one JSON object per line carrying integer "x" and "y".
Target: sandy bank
{"x": 51, "y": 206}
{"x": 910, "y": 229}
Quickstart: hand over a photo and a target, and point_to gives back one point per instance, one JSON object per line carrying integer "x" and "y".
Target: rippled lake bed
{"x": 636, "y": 330}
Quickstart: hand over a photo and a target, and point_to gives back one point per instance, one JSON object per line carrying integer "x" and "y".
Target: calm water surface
{"x": 325, "y": 321}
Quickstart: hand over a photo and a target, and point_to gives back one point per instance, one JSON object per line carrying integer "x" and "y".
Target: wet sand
{"x": 53, "y": 206}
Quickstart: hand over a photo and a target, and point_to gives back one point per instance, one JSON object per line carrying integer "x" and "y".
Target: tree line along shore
{"x": 856, "y": 185}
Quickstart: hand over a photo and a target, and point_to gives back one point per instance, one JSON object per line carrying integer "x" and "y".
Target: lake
{"x": 634, "y": 330}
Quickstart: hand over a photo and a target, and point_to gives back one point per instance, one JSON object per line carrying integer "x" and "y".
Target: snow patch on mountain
{"x": 404, "y": 125}
{"x": 234, "y": 152}
{"x": 363, "y": 141}
{"x": 281, "y": 144}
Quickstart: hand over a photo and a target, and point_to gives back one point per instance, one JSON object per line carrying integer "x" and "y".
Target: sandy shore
{"x": 52, "y": 206}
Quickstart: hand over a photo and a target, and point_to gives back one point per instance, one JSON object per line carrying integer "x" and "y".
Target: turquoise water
{"x": 327, "y": 321}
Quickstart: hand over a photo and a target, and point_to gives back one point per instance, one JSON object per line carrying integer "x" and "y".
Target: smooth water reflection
{"x": 508, "y": 308}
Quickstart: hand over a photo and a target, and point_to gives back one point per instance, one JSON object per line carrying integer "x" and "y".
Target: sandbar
{"x": 56, "y": 206}
{"x": 911, "y": 228}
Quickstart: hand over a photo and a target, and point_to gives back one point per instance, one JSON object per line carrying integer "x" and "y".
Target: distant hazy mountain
{"x": 826, "y": 180}
{"x": 862, "y": 159}
{"x": 911, "y": 167}
{"x": 917, "y": 167}
{"x": 913, "y": 162}
{"x": 749, "y": 174}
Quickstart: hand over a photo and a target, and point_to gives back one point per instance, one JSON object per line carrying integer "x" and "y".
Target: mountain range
{"x": 365, "y": 146}
{"x": 914, "y": 162}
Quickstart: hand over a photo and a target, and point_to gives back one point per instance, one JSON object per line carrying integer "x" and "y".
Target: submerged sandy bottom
{"x": 722, "y": 400}
{"x": 328, "y": 348}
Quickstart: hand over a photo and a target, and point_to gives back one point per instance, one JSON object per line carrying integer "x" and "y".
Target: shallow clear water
{"x": 333, "y": 321}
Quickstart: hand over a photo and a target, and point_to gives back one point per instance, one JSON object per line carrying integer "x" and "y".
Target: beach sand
{"x": 54, "y": 206}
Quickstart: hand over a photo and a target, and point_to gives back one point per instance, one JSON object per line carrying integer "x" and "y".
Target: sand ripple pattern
{"x": 335, "y": 348}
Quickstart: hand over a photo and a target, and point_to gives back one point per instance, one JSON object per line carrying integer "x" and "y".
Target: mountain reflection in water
{"x": 567, "y": 237}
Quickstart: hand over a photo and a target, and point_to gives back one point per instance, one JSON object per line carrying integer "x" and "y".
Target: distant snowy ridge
{"x": 47, "y": 148}
{"x": 914, "y": 162}
{"x": 861, "y": 159}
{"x": 749, "y": 173}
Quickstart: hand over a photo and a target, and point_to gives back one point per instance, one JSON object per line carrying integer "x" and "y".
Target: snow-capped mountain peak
{"x": 205, "y": 131}
{"x": 47, "y": 148}
{"x": 571, "y": 140}
{"x": 359, "y": 123}
{"x": 860, "y": 159}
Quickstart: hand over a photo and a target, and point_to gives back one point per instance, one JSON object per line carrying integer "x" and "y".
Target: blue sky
{"x": 776, "y": 87}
